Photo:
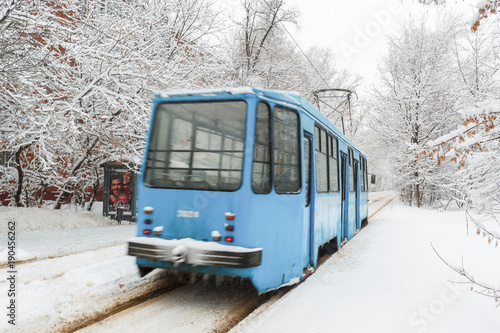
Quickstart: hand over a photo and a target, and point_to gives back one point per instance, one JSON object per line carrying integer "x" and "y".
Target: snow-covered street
{"x": 387, "y": 279}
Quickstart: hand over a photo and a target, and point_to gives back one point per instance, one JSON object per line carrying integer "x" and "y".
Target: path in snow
{"x": 388, "y": 279}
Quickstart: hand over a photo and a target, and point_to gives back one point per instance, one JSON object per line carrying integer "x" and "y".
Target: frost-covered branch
{"x": 487, "y": 289}
{"x": 485, "y": 8}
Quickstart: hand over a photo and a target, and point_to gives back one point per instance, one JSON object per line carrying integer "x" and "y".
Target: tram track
{"x": 379, "y": 196}
{"x": 211, "y": 307}
{"x": 384, "y": 201}
{"x": 216, "y": 308}
{"x": 231, "y": 301}
{"x": 151, "y": 287}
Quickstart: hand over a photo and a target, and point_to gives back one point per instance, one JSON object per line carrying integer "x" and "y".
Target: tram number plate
{"x": 188, "y": 213}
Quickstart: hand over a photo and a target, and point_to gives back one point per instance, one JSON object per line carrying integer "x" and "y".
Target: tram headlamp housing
{"x": 216, "y": 235}
{"x": 158, "y": 230}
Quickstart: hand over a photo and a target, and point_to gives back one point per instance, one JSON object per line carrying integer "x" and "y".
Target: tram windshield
{"x": 197, "y": 145}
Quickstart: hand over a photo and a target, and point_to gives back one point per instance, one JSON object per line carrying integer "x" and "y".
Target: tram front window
{"x": 197, "y": 145}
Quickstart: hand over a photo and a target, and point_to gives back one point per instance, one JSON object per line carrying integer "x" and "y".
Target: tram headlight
{"x": 158, "y": 230}
{"x": 216, "y": 235}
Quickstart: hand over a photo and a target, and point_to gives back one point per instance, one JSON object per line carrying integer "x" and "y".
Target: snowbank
{"x": 32, "y": 219}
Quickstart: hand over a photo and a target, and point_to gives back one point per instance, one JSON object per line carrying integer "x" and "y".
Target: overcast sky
{"x": 356, "y": 31}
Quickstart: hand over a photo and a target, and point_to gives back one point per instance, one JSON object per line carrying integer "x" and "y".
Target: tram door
{"x": 308, "y": 218}
{"x": 345, "y": 196}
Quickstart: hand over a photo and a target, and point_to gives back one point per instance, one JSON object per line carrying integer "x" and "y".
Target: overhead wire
{"x": 298, "y": 46}
{"x": 317, "y": 72}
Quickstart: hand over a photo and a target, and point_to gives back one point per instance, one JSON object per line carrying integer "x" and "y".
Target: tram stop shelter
{"x": 120, "y": 192}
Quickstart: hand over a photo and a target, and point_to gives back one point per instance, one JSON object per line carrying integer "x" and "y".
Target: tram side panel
{"x": 276, "y": 223}
{"x": 364, "y": 207}
{"x": 327, "y": 214}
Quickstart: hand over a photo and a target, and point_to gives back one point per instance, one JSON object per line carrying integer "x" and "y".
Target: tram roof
{"x": 288, "y": 97}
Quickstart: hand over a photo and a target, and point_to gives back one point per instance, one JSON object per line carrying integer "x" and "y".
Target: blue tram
{"x": 245, "y": 182}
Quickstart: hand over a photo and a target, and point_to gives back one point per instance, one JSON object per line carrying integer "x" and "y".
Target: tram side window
{"x": 321, "y": 161}
{"x": 286, "y": 151}
{"x": 261, "y": 169}
{"x": 364, "y": 175}
{"x": 351, "y": 171}
{"x": 333, "y": 163}
{"x": 307, "y": 169}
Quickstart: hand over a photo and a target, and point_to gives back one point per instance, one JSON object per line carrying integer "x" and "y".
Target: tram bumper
{"x": 194, "y": 252}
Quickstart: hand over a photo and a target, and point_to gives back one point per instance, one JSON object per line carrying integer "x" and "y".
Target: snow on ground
{"x": 52, "y": 243}
{"x": 43, "y": 233}
{"x": 386, "y": 279}
{"x": 389, "y": 279}
{"x": 85, "y": 268}
{"x": 32, "y": 219}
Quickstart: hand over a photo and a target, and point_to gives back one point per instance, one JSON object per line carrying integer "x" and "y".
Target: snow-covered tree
{"x": 472, "y": 147}
{"x": 124, "y": 51}
{"x": 415, "y": 103}
{"x": 32, "y": 61}
{"x": 81, "y": 77}
{"x": 475, "y": 145}
{"x": 257, "y": 34}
